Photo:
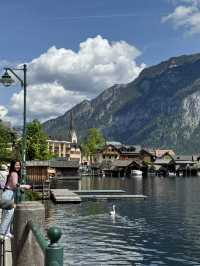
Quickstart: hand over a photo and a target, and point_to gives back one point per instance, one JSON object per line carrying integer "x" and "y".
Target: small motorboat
{"x": 137, "y": 173}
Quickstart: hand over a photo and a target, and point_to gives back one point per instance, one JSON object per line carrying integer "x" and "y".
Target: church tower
{"x": 72, "y": 133}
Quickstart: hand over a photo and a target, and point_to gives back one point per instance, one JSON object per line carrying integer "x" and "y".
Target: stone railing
{"x": 29, "y": 245}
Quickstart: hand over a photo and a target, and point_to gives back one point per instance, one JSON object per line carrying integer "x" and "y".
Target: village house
{"x": 159, "y": 153}
{"x": 147, "y": 156}
{"x": 115, "y": 150}
{"x": 109, "y": 152}
{"x": 130, "y": 152}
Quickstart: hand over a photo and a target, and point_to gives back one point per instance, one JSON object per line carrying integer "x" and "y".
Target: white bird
{"x": 112, "y": 213}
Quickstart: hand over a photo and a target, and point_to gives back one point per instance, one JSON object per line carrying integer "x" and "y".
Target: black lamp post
{"x": 6, "y": 80}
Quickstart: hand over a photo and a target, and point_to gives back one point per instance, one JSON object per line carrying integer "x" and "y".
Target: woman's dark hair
{"x": 12, "y": 169}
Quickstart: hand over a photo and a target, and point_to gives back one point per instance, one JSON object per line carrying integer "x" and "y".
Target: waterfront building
{"x": 185, "y": 165}
{"x": 120, "y": 168}
{"x": 163, "y": 166}
{"x": 40, "y": 171}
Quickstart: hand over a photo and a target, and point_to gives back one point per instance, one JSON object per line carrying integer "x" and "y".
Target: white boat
{"x": 171, "y": 174}
{"x": 137, "y": 173}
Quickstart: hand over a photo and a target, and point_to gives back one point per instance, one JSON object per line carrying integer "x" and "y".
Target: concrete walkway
{"x": 8, "y": 254}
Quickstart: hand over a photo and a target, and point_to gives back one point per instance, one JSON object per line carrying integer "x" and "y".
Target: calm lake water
{"x": 164, "y": 229}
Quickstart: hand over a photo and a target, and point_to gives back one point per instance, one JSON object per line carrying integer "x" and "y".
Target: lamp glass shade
{"x": 6, "y": 79}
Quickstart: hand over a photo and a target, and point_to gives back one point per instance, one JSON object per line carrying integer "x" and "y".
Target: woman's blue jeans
{"x": 7, "y": 215}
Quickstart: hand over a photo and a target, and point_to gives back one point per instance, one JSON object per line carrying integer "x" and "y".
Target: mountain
{"x": 161, "y": 108}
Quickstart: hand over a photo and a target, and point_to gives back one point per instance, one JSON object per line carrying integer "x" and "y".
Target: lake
{"x": 164, "y": 229}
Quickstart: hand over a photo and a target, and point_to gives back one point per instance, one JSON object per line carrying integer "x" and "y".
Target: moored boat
{"x": 137, "y": 173}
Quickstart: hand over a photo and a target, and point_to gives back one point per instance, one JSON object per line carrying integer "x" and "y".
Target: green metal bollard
{"x": 54, "y": 252}
{"x": 23, "y": 195}
{"x": 18, "y": 197}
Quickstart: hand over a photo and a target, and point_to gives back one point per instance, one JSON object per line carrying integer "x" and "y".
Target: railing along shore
{"x": 29, "y": 246}
{"x": 53, "y": 252}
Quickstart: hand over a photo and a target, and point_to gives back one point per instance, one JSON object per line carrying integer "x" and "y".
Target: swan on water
{"x": 112, "y": 213}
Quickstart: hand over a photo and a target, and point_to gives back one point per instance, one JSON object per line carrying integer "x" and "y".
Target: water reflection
{"x": 162, "y": 230}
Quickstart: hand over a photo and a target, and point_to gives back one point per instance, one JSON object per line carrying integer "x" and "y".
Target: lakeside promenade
{"x": 8, "y": 251}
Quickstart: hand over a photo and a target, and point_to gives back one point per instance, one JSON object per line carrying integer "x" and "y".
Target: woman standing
{"x": 12, "y": 183}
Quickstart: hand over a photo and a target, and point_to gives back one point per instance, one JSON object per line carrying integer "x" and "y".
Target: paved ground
{"x": 8, "y": 255}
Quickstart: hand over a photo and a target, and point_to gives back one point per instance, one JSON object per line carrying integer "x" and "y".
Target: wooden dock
{"x": 76, "y": 177}
{"x": 114, "y": 196}
{"x": 64, "y": 195}
{"x": 76, "y": 196}
{"x": 99, "y": 191}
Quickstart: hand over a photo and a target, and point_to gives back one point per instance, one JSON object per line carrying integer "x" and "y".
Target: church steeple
{"x": 72, "y": 133}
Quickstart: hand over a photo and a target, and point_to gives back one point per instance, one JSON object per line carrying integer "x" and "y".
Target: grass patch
{"x": 32, "y": 195}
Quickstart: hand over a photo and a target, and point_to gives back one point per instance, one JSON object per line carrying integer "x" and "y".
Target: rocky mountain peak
{"x": 158, "y": 109}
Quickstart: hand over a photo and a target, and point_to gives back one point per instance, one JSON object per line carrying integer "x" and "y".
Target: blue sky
{"x": 118, "y": 39}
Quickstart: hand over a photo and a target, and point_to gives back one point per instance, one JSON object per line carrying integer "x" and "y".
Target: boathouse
{"x": 121, "y": 168}
{"x": 163, "y": 166}
{"x": 40, "y": 171}
{"x": 185, "y": 165}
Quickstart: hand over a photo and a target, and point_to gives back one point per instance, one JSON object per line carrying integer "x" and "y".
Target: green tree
{"x": 37, "y": 147}
{"x": 7, "y": 139}
{"x": 93, "y": 141}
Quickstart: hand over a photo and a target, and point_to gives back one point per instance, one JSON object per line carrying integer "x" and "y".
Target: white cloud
{"x": 44, "y": 101}
{"x": 193, "y": 2}
{"x": 186, "y": 16}
{"x": 3, "y": 111}
{"x": 61, "y": 78}
{"x": 97, "y": 65}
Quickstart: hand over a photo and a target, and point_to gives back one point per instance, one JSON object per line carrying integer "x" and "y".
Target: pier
{"x": 114, "y": 196}
{"x": 64, "y": 195}
{"x": 76, "y": 196}
{"x": 99, "y": 191}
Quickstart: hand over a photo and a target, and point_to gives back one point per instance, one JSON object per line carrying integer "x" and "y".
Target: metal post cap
{"x": 54, "y": 234}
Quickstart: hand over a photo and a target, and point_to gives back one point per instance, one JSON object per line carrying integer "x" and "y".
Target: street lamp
{"x": 6, "y": 80}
